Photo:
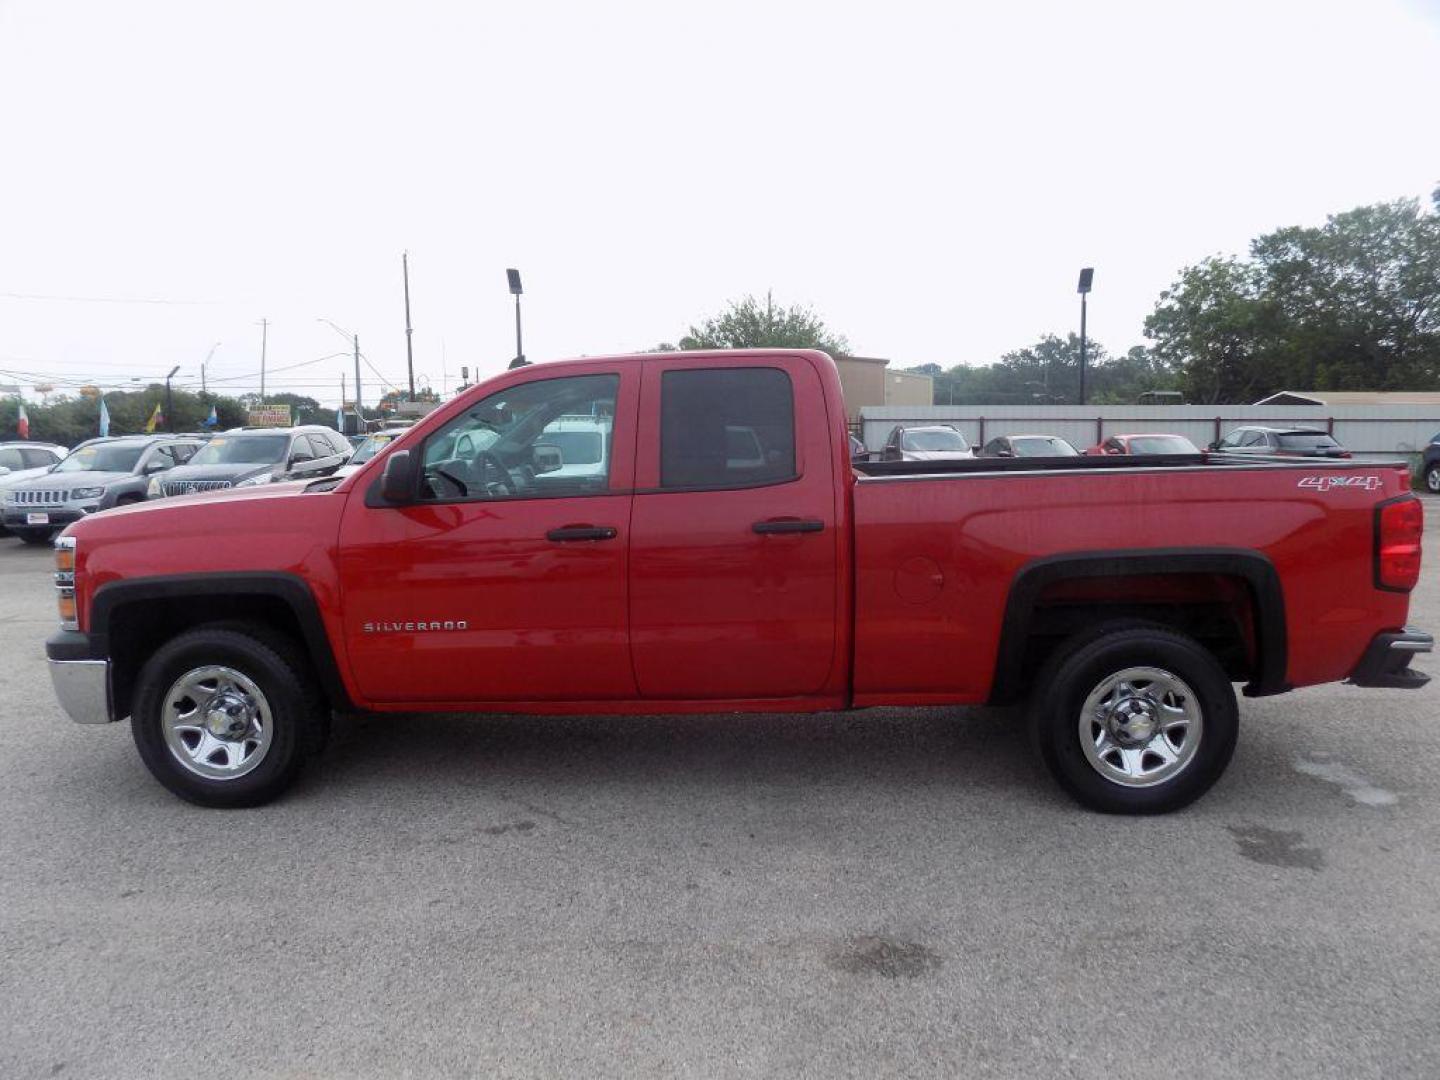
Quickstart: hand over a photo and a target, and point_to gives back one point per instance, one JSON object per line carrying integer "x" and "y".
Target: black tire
{"x": 35, "y": 537}
{"x": 1080, "y": 666}
{"x": 299, "y": 717}
{"x": 1432, "y": 478}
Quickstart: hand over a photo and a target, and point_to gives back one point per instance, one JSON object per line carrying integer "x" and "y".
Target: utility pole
{"x": 409, "y": 354}
{"x": 359, "y": 401}
{"x": 264, "y": 329}
{"x": 341, "y": 411}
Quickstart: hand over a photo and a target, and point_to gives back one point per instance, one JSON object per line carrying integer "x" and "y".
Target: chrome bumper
{"x": 83, "y": 687}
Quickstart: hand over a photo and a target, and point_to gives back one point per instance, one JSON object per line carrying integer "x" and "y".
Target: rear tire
{"x": 1134, "y": 719}
{"x": 1432, "y": 479}
{"x": 35, "y": 537}
{"x": 224, "y": 718}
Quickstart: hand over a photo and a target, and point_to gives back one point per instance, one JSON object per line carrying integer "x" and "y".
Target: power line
{"x": 106, "y": 299}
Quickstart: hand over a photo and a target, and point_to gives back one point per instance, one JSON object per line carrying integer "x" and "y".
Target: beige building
{"x": 866, "y": 380}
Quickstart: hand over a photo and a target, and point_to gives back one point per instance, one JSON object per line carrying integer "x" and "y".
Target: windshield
{"x": 1045, "y": 446}
{"x": 933, "y": 439}
{"x": 1306, "y": 440}
{"x": 1162, "y": 444}
{"x": 371, "y": 446}
{"x": 242, "y": 450}
{"x": 103, "y": 458}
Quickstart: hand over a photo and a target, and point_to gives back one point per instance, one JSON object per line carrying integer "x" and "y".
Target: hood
{"x": 68, "y": 480}
{"x": 233, "y": 473}
{"x": 15, "y": 477}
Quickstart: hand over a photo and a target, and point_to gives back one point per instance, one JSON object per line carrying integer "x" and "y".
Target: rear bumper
{"x": 1386, "y": 662}
{"x": 81, "y": 680}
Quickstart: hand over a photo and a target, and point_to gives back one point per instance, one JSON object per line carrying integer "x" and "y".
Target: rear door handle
{"x": 787, "y": 525}
{"x": 571, "y": 533}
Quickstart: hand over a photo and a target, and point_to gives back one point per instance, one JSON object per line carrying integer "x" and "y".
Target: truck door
{"x": 506, "y": 580}
{"x": 733, "y": 546}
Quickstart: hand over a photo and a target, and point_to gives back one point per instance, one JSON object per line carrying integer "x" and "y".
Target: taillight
{"x": 1398, "y": 525}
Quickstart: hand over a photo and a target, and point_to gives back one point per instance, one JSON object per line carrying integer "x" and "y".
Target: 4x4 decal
{"x": 1330, "y": 483}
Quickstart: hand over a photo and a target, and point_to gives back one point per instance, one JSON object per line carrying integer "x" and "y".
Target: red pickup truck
{"x": 687, "y": 533}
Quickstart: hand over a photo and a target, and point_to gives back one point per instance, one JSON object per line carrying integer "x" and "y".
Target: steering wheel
{"x": 487, "y": 460}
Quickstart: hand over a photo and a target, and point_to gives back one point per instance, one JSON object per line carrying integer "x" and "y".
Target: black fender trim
{"x": 290, "y": 589}
{"x": 1254, "y": 568}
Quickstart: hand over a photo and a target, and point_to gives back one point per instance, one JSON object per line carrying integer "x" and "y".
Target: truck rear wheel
{"x": 1134, "y": 719}
{"x": 223, "y": 719}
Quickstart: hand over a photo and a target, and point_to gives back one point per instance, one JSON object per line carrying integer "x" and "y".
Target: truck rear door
{"x": 733, "y": 545}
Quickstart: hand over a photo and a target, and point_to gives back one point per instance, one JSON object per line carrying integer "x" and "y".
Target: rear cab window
{"x": 726, "y": 428}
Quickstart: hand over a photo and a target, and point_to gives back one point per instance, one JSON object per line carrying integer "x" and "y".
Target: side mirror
{"x": 1212, "y": 446}
{"x": 397, "y": 482}
{"x": 4, "y": 469}
{"x": 1004, "y": 453}
{"x": 158, "y": 465}
{"x": 300, "y": 457}
{"x": 545, "y": 458}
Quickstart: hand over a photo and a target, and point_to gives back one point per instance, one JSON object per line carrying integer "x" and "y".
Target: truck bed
{"x": 941, "y": 549}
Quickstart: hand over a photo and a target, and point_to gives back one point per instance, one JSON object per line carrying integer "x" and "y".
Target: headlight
{"x": 262, "y": 478}
{"x": 153, "y": 489}
{"x": 87, "y": 493}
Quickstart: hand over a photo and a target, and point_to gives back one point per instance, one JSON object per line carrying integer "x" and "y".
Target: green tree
{"x": 751, "y": 323}
{"x": 1353, "y": 304}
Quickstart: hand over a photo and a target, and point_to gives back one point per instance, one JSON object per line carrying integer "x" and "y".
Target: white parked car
{"x": 23, "y": 460}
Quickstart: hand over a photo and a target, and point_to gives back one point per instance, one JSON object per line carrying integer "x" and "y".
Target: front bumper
{"x": 81, "y": 678}
{"x": 59, "y": 516}
{"x": 1386, "y": 662}
{"x": 83, "y": 688}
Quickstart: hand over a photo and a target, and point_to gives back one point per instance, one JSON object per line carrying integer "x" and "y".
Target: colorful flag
{"x": 22, "y": 423}
{"x": 104, "y": 418}
{"x": 212, "y": 419}
{"x": 156, "y": 419}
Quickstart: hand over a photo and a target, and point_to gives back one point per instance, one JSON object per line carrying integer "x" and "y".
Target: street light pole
{"x": 1087, "y": 275}
{"x": 513, "y": 276}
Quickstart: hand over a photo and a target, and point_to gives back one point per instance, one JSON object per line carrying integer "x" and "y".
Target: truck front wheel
{"x": 1134, "y": 719}
{"x": 222, "y": 718}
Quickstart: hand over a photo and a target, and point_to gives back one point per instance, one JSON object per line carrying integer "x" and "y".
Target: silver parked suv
{"x": 97, "y": 475}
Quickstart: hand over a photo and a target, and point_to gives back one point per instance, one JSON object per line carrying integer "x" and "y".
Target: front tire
{"x": 1134, "y": 719}
{"x": 223, "y": 719}
{"x": 1432, "y": 479}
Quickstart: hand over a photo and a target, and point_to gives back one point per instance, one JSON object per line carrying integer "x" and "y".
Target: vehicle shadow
{"x": 975, "y": 749}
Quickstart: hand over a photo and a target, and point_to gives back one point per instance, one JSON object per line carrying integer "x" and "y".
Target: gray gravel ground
{"x": 895, "y": 892}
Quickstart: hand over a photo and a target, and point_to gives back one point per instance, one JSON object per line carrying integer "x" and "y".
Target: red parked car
{"x": 469, "y": 567}
{"x": 1152, "y": 443}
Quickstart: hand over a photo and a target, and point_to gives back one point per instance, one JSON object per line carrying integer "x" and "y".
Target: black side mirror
{"x": 397, "y": 483}
{"x": 545, "y": 458}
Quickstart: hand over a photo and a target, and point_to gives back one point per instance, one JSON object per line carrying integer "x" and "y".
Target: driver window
{"x": 545, "y": 438}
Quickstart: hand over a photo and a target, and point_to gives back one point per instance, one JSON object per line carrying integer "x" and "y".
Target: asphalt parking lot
{"x": 894, "y": 892}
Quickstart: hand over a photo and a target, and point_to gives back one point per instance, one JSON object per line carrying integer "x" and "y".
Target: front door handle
{"x": 787, "y": 525}
{"x": 571, "y": 533}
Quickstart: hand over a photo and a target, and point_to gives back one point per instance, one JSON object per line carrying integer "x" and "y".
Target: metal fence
{"x": 1363, "y": 429}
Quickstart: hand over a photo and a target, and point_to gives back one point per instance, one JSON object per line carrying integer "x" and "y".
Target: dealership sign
{"x": 269, "y": 416}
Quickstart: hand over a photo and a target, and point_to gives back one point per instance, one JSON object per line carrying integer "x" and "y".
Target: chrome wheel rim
{"x": 1432, "y": 480}
{"x": 217, "y": 723}
{"x": 1141, "y": 727}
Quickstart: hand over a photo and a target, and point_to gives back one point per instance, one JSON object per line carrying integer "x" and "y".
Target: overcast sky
{"x": 929, "y": 177}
